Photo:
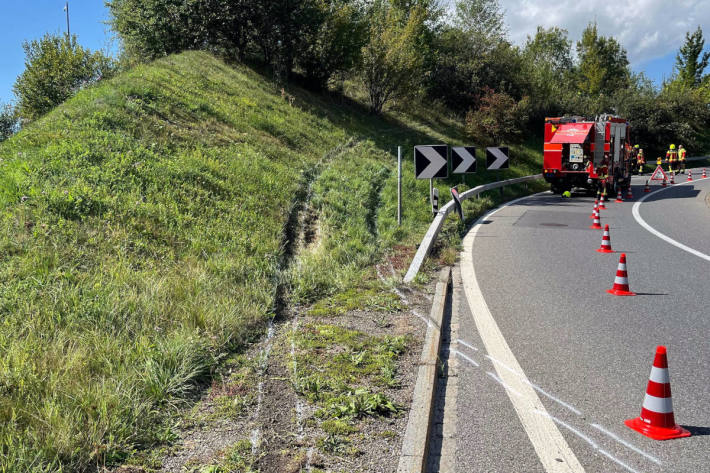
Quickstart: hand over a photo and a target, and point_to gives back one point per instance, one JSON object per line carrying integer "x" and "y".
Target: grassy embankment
{"x": 143, "y": 237}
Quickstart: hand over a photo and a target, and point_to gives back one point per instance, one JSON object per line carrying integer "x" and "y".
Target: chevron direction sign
{"x": 431, "y": 161}
{"x": 463, "y": 160}
{"x": 497, "y": 158}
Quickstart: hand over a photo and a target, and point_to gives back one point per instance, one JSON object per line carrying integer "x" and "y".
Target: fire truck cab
{"x": 587, "y": 153}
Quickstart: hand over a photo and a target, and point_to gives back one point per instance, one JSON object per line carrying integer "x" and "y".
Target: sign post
{"x": 435, "y": 201}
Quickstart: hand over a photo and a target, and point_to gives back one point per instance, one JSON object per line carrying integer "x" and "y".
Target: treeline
{"x": 416, "y": 50}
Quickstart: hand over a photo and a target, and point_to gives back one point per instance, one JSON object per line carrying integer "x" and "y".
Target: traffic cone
{"x": 603, "y": 199}
{"x": 596, "y": 207}
{"x": 704, "y": 174}
{"x": 664, "y": 182}
{"x": 596, "y": 225}
{"x": 672, "y": 178}
{"x": 629, "y": 194}
{"x": 618, "y": 196}
{"x": 657, "y": 420}
{"x": 606, "y": 242}
{"x": 646, "y": 189}
{"x": 690, "y": 175}
{"x": 621, "y": 283}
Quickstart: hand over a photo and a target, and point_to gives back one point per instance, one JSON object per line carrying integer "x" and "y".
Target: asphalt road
{"x": 588, "y": 353}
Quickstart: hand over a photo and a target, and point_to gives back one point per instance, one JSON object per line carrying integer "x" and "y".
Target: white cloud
{"x": 647, "y": 29}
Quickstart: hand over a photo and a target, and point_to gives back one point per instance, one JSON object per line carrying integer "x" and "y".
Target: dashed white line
{"x": 467, "y": 345}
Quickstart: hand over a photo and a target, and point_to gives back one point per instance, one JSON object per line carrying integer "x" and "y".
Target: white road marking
{"x": 626, "y": 444}
{"x": 508, "y": 389}
{"x": 617, "y": 461}
{"x": 467, "y": 345}
{"x": 544, "y": 435}
{"x": 456, "y": 352}
{"x": 591, "y": 442}
{"x": 642, "y": 222}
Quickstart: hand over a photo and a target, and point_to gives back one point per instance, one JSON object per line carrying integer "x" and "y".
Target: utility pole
{"x": 66, "y": 9}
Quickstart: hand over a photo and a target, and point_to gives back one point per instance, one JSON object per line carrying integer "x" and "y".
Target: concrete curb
{"x": 415, "y": 446}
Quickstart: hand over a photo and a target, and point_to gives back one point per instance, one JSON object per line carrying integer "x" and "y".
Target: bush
{"x": 8, "y": 121}
{"x": 499, "y": 118}
{"x": 55, "y": 68}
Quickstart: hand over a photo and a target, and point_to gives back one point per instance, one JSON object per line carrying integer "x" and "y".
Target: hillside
{"x": 147, "y": 228}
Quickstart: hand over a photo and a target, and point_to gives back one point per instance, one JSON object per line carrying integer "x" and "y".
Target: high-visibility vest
{"x": 681, "y": 154}
{"x": 640, "y": 157}
{"x": 671, "y": 155}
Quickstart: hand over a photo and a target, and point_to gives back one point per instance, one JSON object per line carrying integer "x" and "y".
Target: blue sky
{"x": 648, "y": 29}
{"x": 22, "y": 20}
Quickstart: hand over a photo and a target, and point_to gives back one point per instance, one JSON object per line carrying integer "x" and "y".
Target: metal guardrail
{"x": 435, "y": 227}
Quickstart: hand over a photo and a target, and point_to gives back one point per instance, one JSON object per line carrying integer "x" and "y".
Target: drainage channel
{"x": 442, "y": 440}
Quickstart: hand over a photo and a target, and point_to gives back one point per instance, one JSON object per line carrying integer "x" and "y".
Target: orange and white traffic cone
{"x": 672, "y": 178}
{"x": 621, "y": 282}
{"x": 603, "y": 199}
{"x": 629, "y": 193}
{"x": 705, "y": 175}
{"x": 690, "y": 175}
{"x": 657, "y": 420}
{"x": 619, "y": 199}
{"x": 606, "y": 242}
{"x": 646, "y": 189}
{"x": 596, "y": 207}
{"x": 664, "y": 183}
{"x": 597, "y": 224}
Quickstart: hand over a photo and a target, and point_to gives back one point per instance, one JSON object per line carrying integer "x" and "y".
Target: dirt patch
{"x": 255, "y": 418}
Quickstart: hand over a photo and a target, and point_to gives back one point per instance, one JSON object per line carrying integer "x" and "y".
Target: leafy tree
{"x": 603, "y": 65}
{"x": 393, "y": 56}
{"x": 691, "y": 61}
{"x": 55, "y": 68}
{"x": 8, "y": 121}
{"x": 334, "y": 46}
{"x": 482, "y": 20}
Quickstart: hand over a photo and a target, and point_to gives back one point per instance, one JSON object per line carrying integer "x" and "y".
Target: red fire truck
{"x": 586, "y": 153}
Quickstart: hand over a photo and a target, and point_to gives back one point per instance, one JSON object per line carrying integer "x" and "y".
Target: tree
{"x": 335, "y": 45}
{"x": 499, "y": 118}
{"x": 482, "y": 20}
{"x": 8, "y": 121}
{"x": 55, "y": 68}
{"x": 603, "y": 65}
{"x": 393, "y": 57}
{"x": 691, "y": 61}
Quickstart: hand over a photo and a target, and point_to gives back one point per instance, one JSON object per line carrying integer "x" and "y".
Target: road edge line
{"x": 415, "y": 445}
{"x": 551, "y": 447}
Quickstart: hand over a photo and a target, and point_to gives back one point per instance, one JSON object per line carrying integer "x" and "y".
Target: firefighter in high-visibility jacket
{"x": 681, "y": 158}
{"x": 640, "y": 161}
{"x": 672, "y": 158}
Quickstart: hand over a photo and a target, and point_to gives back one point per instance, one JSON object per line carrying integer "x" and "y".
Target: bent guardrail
{"x": 438, "y": 222}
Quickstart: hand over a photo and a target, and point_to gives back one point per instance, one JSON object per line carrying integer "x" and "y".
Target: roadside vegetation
{"x": 153, "y": 223}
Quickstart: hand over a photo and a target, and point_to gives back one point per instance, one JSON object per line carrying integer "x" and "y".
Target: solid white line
{"x": 642, "y": 222}
{"x": 626, "y": 444}
{"x": 544, "y": 435}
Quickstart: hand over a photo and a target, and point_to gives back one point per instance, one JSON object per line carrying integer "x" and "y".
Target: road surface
{"x": 546, "y": 376}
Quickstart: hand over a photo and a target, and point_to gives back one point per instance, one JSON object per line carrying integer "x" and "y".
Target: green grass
{"x": 142, "y": 240}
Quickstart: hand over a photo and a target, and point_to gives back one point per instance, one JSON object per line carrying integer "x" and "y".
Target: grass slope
{"x": 143, "y": 229}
